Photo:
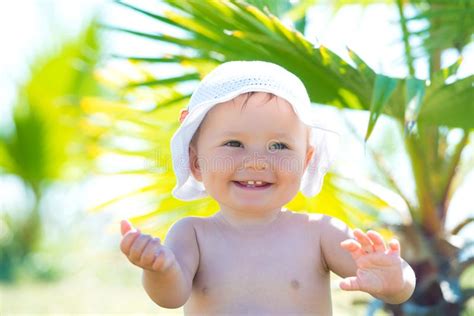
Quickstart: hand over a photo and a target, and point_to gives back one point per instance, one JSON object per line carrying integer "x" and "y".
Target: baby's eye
{"x": 233, "y": 143}
{"x": 278, "y": 146}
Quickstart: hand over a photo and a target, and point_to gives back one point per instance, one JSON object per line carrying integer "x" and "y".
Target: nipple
{"x": 295, "y": 284}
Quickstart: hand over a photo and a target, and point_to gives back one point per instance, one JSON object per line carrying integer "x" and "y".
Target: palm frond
{"x": 451, "y": 23}
{"x": 45, "y": 143}
{"x": 238, "y": 31}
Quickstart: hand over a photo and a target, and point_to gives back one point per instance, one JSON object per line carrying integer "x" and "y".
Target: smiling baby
{"x": 250, "y": 141}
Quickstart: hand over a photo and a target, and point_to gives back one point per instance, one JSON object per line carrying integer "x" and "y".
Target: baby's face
{"x": 263, "y": 141}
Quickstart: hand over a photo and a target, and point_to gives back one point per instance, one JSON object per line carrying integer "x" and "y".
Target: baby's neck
{"x": 244, "y": 219}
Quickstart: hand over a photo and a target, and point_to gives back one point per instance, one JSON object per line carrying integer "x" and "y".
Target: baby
{"x": 250, "y": 141}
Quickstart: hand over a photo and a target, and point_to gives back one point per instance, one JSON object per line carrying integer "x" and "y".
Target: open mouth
{"x": 252, "y": 184}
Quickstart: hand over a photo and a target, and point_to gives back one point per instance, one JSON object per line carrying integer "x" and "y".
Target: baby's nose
{"x": 257, "y": 163}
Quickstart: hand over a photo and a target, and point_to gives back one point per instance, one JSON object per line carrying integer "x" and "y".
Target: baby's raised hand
{"x": 379, "y": 270}
{"x": 144, "y": 250}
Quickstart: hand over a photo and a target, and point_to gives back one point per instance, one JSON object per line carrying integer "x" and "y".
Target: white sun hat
{"x": 226, "y": 82}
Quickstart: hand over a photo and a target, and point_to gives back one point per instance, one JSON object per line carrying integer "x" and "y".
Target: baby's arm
{"x": 168, "y": 270}
{"x": 333, "y": 232}
{"x": 373, "y": 268}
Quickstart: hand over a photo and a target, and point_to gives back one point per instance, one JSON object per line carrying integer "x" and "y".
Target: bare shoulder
{"x": 182, "y": 225}
{"x": 187, "y": 229}
{"x": 299, "y": 218}
{"x": 191, "y": 221}
{"x": 303, "y": 221}
{"x": 312, "y": 218}
{"x": 302, "y": 216}
{"x": 320, "y": 222}
{"x": 327, "y": 223}
{"x": 191, "y": 224}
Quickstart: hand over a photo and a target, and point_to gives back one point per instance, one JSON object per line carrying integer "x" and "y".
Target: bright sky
{"x": 28, "y": 26}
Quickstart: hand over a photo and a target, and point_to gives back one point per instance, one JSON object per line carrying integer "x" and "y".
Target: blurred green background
{"x": 90, "y": 95}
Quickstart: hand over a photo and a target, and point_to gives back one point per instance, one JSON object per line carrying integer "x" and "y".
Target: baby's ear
{"x": 194, "y": 163}
{"x": 309, "y": 155}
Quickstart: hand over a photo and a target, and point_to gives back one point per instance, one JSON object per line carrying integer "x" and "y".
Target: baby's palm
{"x": 379, "y": 269}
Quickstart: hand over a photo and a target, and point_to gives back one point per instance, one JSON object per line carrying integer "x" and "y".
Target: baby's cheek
{"x": 228, "y": 158}
{"x": 290, "y": 165}
{"x": 219, "y": 163}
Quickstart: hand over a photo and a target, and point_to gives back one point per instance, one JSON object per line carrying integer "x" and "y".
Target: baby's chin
{"x": 257, "y": 201}
{"x": 252, "y": 209}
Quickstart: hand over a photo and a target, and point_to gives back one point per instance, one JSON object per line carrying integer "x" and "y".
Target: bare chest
{"x": 272, "y": 272}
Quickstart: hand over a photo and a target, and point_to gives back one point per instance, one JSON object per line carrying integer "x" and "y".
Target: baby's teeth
{"x": 250, "y": 182}
{"x": 258, "y": 182}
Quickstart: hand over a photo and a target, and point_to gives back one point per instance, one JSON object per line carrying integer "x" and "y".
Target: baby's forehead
{"x": 257, "y": 113}
{"x": 255, "y": 101}
{"x": 255, "y": 108}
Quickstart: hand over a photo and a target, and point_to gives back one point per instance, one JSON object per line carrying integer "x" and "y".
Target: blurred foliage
{"x": 46, "y": 145}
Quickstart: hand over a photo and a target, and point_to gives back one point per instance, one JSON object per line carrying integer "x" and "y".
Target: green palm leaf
{"x": 241, "y": 31}
{"x": 45, "y": 144}
{"x": 450, "y": 23}
{"x": 450, "y": 105}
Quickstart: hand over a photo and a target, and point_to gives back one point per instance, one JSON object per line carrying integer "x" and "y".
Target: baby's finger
{"x": 394, "y": 246}
{"x": 364, "y": 241}
{"x": 164, "y": 260}
{"x": 350, "y": 284}
{"x": 353, "y": 247}
{"x": 137, "y": 248}
{"x": 149, "y": 253}
{"x": 159, "y": 260}
{"x": 125, "y": 227}
{"x": 377, "y": 240}
{"x": 127, "y": 241}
